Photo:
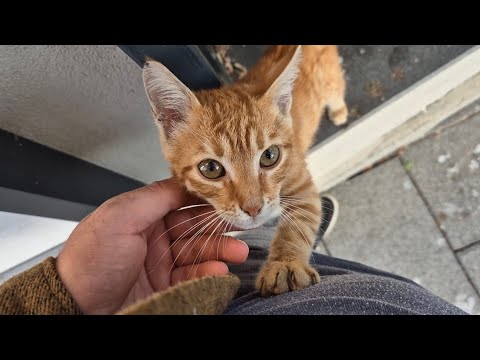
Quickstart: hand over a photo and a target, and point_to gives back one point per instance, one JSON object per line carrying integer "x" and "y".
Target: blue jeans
{"x": 345, "y": 288}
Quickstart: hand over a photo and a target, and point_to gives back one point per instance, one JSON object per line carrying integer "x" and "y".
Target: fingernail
{"x": 243, "y": 242}
{"x": 246, "y": 245}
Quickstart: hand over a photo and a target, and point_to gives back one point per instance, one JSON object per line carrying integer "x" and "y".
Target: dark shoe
{"x": 330, "y": 210}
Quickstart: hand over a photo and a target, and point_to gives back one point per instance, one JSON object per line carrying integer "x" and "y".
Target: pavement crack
{"x": 437, "y": 224}
{"x": 466, "y": 247}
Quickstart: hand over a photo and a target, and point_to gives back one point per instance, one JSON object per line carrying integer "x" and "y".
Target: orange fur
{"x": 279, "y": 102}
{"x": 320, "y": 84}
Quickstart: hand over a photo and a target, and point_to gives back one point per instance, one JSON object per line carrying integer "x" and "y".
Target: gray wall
{"x": 85, "y": 100}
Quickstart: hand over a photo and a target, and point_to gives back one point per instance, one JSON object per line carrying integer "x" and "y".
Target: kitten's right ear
{"x": 280, "y": 92}
{"x": 170, "y": 100}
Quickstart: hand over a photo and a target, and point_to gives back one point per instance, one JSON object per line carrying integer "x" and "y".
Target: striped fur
{"x": 279, "y": 102}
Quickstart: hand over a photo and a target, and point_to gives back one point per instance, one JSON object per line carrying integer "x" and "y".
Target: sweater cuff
{"x": 209, "y": 295}
{"x": 37, "y": 291}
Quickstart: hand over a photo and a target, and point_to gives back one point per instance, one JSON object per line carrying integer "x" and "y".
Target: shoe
{"x": 330, "y": 209}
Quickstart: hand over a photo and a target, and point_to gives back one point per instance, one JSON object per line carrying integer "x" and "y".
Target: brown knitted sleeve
{"x": 38, "y": 290}
{"x": 209, "y": 295}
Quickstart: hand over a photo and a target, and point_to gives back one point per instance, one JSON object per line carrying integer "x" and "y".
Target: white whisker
{"x": 202, "y": 249}
{"x": 183, "y": 222}
{"x": 195, "y": 238}
{"x": 169, "y": 249}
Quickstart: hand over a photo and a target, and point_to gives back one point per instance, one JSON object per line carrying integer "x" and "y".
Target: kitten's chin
{"x": 243, "y": 224}
{"x": 246, "y": 228}
{"x": 252, "y": 224}
{"x": 249, "y": 227}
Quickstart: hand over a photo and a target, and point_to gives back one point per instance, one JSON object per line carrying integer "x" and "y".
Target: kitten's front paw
{"x": 277, "y": 277}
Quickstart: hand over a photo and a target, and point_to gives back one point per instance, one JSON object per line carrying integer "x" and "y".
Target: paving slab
{"x": 446, "y": 168}
{"x": 384, "y": 223}
{"x": 470, "y": 259}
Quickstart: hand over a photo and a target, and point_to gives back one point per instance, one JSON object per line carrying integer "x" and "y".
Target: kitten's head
{"x": 228, "y": 146}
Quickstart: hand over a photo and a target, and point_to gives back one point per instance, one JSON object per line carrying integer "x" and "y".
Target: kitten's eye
{"x": 270, "y": 156}
{"x": 211, "y": 169}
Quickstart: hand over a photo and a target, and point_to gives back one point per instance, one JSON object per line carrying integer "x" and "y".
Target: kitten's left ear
{"x": 281, "y": 89}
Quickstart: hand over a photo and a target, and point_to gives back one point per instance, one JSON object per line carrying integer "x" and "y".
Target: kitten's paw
{"x": 277, "y": 277}
{"x": 338, "y": 116}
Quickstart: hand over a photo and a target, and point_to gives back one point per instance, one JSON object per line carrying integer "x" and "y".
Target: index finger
{"x": 186, "y": 222}
{"x": 136, "y": 210}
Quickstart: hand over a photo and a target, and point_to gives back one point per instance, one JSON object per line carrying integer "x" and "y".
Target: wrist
{"x": 63, "y": 268}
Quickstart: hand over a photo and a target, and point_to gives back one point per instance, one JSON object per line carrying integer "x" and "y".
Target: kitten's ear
{"x": 170, "y": 100}
{"x": 281, "y": 89}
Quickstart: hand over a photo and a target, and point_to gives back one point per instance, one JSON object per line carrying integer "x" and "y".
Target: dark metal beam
{"x": 33, "y": 168}
{"x": 193, "y": 65}
{"x": 21, "y": 202}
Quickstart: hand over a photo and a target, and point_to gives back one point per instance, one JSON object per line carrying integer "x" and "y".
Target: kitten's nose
{"x": 252, "y": 210}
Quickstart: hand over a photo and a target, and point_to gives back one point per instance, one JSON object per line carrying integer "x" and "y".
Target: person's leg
{"x": 325, "y": 265}
{"x": 348, "y": 294}
{"x": 346, "y": 287}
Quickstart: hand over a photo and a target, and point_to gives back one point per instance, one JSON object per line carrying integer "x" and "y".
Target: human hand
{"x": 135, "y": 244}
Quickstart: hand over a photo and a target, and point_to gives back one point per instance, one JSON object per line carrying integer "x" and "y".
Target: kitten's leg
{"x": 288, "y": 265}
{"x": 337, "y": 110}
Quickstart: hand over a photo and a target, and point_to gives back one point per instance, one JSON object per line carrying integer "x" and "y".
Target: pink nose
{"x": 252, "y": 210}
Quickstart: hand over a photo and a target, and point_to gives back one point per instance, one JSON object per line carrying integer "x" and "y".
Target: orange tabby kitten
{"x": 243, "y": 147}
